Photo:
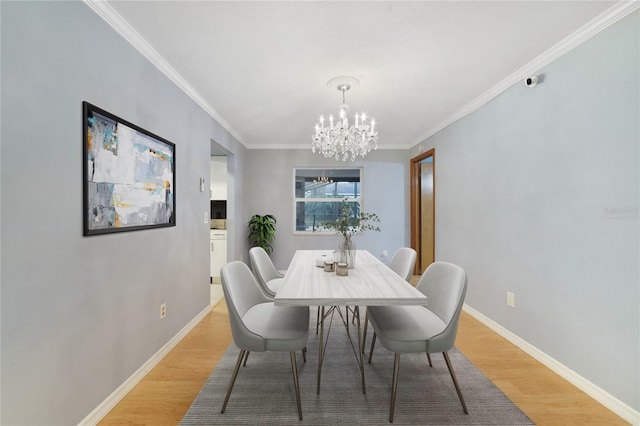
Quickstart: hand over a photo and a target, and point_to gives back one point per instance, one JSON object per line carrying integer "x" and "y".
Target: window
{"x": 318, "y": 194}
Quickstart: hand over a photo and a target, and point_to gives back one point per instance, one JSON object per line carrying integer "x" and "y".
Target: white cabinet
{"x": 219, "y": 178}
{"x": 218, "y": 253}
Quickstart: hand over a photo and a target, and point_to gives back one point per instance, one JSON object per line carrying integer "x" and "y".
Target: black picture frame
{"x": 129, "y": 175}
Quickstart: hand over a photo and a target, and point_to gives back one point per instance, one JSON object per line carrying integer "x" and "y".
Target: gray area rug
{"x": 263, "y": 392}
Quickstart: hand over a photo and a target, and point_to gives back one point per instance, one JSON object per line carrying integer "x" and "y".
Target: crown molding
{"x": 122, "y": 27}
{"x": 593, "y": 27}
{"x": 599, "y": 23}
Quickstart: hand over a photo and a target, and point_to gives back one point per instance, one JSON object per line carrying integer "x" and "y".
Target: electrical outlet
{"x": 163, "y": 310}
{"x": 511, "y": 299}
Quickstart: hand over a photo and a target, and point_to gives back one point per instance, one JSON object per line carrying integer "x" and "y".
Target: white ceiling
{"x": 261, "y": 67}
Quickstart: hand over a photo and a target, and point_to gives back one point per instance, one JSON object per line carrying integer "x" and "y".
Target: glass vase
{"x": 348, "y": 252}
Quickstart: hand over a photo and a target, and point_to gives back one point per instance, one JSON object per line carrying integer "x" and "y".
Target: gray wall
{"x": 523, "y": 188}
{"x": 537, "y": 193}
{"x": 385, "y": 191}
{"x": 80, "y": 314}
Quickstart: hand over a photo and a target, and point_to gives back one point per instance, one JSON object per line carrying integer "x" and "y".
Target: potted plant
{"x": 349, "y": 223}
{"x": 262, "y": 231}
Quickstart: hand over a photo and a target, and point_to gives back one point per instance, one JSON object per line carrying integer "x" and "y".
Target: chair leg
{"x": 294, "y": 368}
{"x": 373, "y": 344}
{"x": 233, "y": 379}
{"x": 429, "y": 358}
{"x": 455, "y": 382}
{"x": 317, "y": 320}
{"x": 246, "y": 357}
{"x": 304, "y": 354}
{"x": 394, "y": 384}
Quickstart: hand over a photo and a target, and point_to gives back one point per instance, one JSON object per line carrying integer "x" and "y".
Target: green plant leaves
{"x": 350, "y": 222}
{"x": 262, "y": 231}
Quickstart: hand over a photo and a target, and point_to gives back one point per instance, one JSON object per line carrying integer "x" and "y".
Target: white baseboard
{"x": 103, "y": 409}
{"x": 597, "y": 393}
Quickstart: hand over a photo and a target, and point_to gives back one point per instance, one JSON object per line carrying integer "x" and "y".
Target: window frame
{"x": 326, "y": 170}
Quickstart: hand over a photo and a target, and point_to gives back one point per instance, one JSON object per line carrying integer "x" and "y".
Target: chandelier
{"x": 339, "y": 140}
{"x": 323, "y": 179}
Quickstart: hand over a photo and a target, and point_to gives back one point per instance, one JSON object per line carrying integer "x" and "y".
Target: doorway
{"x": 422, "y": 181}
{"x": 220, "y": 218}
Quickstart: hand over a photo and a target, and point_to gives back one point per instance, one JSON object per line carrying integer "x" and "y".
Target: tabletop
{"x": 369, "y": 283}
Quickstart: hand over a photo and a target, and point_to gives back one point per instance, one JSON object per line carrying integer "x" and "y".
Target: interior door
{"x": 426, "y": 213}
{"x": 422, "y": 183}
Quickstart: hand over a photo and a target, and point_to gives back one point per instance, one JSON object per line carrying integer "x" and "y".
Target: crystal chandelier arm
{"x": 339, "y": 140}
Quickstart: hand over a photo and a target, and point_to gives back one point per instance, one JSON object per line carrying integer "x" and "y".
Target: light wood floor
{"x": 165, "y": 394}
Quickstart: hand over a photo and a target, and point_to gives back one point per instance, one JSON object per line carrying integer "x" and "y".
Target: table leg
{"x": 359, "y": 352}
{"x": 356, "y": 314}
{"x": 366, "y": 323}
{"x": 320, "y": 347}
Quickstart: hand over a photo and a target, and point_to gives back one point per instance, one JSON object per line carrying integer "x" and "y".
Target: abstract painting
{"x": 129, "y": 175}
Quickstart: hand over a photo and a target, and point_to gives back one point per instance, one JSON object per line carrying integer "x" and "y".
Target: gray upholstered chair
{"x": 258, "y": 325}
{"x": 402, "y": 263}
{"x": 429, "y": 328}
{"x": 264, "y": 270}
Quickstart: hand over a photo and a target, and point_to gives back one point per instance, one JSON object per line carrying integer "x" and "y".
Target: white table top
{"x": 370, "y": 283}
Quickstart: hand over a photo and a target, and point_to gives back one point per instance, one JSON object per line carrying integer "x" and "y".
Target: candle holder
{"x": 342, "y": 269}
{"x": 329, "y": 266}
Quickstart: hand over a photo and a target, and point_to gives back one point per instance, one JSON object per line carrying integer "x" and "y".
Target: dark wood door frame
{"x": 416, "y": 215}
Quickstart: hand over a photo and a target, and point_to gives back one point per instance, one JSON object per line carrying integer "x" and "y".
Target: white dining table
{"x": 369, "y": 283}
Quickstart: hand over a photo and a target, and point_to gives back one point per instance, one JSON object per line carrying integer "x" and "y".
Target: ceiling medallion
{"x": 339, "y": 140}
